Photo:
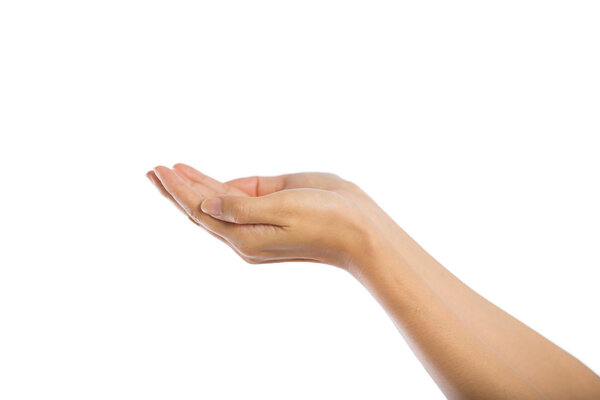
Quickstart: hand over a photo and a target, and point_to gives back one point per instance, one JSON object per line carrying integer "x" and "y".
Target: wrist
{"x": 373, "y": 251}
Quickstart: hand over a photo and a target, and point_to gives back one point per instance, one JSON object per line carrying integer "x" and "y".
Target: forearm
{"x": 548, "y": 367}
{"x": 461, "y": 364}
{"x": 545, "y": 365}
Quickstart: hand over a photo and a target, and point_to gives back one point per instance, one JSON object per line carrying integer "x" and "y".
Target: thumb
{"x": 244, "y": 210}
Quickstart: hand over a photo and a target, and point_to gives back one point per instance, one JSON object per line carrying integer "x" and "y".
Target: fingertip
{"x": 187, "y": 170}
{"x": 162, "y": 172}
{"x": 160, "y": 168}
{"x": 151, "y": 176}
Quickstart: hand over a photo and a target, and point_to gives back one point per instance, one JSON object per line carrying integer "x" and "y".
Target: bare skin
{"x": 470, "y": 347}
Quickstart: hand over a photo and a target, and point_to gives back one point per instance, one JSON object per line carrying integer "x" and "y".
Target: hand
{"x": 260, "y": 186}
{"x": 274, "y": 219}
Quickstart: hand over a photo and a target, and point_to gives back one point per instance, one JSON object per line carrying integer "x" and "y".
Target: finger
{"x": 200, "y": 189}
{"x": 263, "y": 185}
{"x": 197, "y": 178}
{"x": 154, "y": 179}
{"x": 190, "y": 201}
{"x": 272, "y": 209}
{"x": 259, "y": 185}
{"x": 157, "y": 183}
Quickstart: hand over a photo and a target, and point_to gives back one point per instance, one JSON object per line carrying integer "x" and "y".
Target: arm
{"x": 461, "y": 364}
{"x": 547, "y": 367}
{"x": 470, "y": 347}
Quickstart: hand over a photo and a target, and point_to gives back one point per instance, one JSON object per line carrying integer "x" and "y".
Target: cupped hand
{"x": 308, "y": 217}
{"x": 260, "y": 186}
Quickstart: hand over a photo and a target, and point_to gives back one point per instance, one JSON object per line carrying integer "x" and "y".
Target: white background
{"x": 474, "y": 124}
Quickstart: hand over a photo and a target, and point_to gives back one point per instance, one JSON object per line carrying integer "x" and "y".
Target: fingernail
{"x": 212, "y": 206}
